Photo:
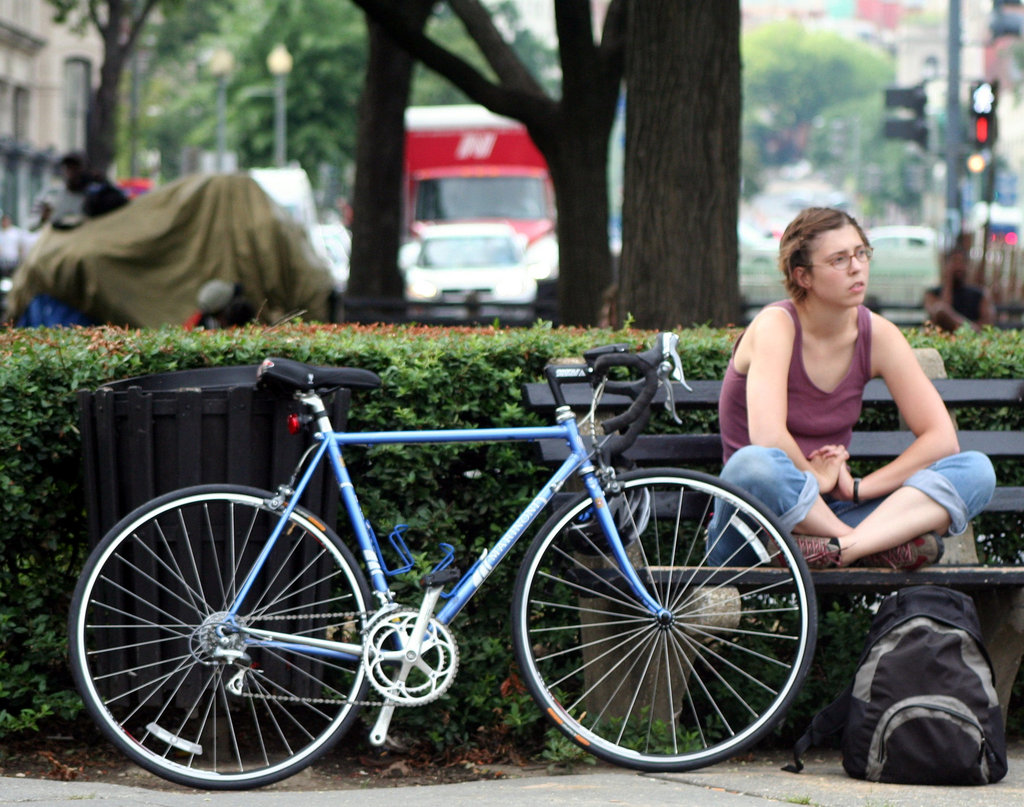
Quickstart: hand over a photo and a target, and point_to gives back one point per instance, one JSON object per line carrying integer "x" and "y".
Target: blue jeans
{"x": 963, "y": 484}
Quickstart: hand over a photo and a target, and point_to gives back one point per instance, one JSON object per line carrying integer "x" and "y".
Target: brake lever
{"x": 671, "y": 369}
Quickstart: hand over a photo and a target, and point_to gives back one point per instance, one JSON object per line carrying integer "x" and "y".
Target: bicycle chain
{"x": 346, "y": 615}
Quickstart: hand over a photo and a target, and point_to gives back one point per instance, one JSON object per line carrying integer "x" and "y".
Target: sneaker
{"x": 914, "y": 554}
{"x": 818, "y": 552}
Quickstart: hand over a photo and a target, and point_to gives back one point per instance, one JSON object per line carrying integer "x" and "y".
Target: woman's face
{"x": 836, "y": 274}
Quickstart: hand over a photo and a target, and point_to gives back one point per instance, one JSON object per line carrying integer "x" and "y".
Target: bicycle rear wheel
{"x": 179, "y": 690}
{"x": 697, "y": 685}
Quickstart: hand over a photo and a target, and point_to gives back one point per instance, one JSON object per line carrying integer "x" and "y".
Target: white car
{"x": 907, "y": 260}
{"x": 474, "y": 264}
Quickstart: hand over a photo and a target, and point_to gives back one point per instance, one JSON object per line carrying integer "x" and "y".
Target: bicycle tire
{"x": 180, "y": 696}
{"x": 680, "y": 692}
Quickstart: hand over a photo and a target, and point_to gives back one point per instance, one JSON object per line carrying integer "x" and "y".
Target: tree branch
{"x": 93, "y": 12}
{"x": 502, "y": 59}
{"x": 582, "y": 63}
{"x": 613, "y": 34}
{"x": 513, "y": 102}
{"x": 139, "y": 22}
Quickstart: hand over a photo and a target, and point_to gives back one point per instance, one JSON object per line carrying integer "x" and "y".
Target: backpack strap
{"x": 828, "y": 723}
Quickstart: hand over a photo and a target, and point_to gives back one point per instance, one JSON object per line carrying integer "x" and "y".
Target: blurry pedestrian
{"x": 65, "y": 205}
{"x": 13, "y": 245}
{"x": 957, "y": 303}
{"x": 85, "y": 193}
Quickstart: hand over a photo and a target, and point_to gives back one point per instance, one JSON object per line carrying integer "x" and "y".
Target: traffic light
{"x": 984, "y": 95}
{"x": 913, "y": 127}
{"x": 1003, "y": 22}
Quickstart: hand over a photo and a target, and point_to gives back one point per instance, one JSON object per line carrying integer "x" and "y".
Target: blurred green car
{"x": 905, "y": 263}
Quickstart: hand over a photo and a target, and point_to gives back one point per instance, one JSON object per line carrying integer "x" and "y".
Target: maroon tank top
{"x": 814, "y": 417}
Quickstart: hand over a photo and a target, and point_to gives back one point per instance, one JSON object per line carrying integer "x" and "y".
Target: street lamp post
{"x": 279, "y": 62}
{"x": 221, "y": 64}
{"x": 954, "y": 222}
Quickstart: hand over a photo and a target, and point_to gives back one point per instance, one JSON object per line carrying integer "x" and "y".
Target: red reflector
{"x": 294, "y": 424}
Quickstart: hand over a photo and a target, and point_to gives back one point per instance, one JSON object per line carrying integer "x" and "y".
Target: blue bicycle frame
{"x": 331, "y": 443}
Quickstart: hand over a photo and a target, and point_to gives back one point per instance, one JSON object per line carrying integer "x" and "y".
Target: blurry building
{"x": 46, "y": 73}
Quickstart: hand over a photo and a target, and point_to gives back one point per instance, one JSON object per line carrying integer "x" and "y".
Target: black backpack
{"x": 922, "y": 708}
{"x": 102, "y": 196}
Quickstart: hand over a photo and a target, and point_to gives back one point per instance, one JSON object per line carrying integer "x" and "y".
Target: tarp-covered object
{"x": 143, "y": 265}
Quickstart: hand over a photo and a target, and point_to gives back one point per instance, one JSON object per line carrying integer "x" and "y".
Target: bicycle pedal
{"x": 441, "y": 577}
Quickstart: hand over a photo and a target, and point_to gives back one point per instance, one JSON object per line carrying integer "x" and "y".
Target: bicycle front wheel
{"x": 699, "y": 682}
{"x": 187, "y": 692}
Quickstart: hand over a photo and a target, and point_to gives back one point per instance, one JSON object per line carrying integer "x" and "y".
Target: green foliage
{"x": 794, "y": 73}
{"x": 817, "y": 95}
{"x": 464, "y": 495}
{"x": 327, "y": 40}
{"x": 562, "y": 753}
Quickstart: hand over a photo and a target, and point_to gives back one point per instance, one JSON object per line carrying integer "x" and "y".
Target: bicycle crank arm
{"x": 379, "y": 732}
{"x": 410, "y": 657}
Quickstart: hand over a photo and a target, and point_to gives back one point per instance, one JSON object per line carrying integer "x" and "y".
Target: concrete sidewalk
{"x": 733, "y": 784}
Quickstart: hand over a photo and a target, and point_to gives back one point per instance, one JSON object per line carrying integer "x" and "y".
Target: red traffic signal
{"x": 984, "y": 95}
{"x": 981, "y": 131}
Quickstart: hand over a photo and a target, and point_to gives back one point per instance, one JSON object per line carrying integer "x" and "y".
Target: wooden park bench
{"x": 998, "y": 591}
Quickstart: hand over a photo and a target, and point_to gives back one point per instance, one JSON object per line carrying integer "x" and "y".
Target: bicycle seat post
{"x": 317, "y": 410}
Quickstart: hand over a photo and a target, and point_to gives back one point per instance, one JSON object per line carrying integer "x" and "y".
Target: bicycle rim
{"x": 679, "y": 692}
{"x": 175, "y": 690}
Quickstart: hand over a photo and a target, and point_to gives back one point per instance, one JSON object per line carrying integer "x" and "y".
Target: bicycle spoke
{"x": 175, "y": 681}
{"x": 673, "y": 690}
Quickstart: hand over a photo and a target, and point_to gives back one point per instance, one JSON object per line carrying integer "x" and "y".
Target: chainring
{"x": 404, "y": 675}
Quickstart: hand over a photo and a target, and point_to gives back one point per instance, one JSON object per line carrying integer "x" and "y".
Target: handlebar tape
{"x": 642, "y": 390}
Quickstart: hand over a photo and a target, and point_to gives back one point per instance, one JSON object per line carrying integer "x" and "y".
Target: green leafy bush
{"x": 465, "y": 495}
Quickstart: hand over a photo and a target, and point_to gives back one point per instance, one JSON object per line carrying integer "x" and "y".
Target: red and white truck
{"x": 463, "y": 163}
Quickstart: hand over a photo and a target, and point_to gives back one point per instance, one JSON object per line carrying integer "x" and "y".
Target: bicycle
{"x": 223, "y": 637}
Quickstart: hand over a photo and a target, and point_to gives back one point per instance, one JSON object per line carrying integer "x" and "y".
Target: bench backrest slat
{"x": 682, "y": 448}
{"x": 955, "y": 392}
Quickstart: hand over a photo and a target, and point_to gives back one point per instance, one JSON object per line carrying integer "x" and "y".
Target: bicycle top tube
{"x": 471, "y": 435}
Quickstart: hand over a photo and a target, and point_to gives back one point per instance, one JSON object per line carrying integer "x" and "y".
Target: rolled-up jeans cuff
{"x": 937, "y": 487}
{"x": 805, "y": 501}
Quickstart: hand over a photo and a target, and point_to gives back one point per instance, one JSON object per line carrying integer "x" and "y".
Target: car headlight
{"x": 514, "y": 287}
{"x": 421, "y": 289}
{"x": 542, "y": 259}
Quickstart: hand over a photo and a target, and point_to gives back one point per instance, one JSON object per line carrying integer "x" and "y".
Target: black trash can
{"x": 145, "y": 436}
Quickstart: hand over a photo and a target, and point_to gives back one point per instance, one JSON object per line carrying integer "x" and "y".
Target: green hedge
{"x": 464, "y": 495}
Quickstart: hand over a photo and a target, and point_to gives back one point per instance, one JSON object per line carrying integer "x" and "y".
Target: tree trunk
{"x": 578, "y": 161}
{"x": 681, "y": 183}
{"x": 101, "y": 126}
{"x": 380, "y": 149}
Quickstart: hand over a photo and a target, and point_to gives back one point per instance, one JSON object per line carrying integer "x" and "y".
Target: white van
{"x": 292, "y": 190}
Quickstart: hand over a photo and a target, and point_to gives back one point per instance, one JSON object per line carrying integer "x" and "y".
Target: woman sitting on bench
{"x": 792, "y": 394}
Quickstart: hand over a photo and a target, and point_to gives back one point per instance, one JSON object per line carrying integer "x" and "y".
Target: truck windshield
{"x": 460, "y": 198}
{"x": 460, "y": 253}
